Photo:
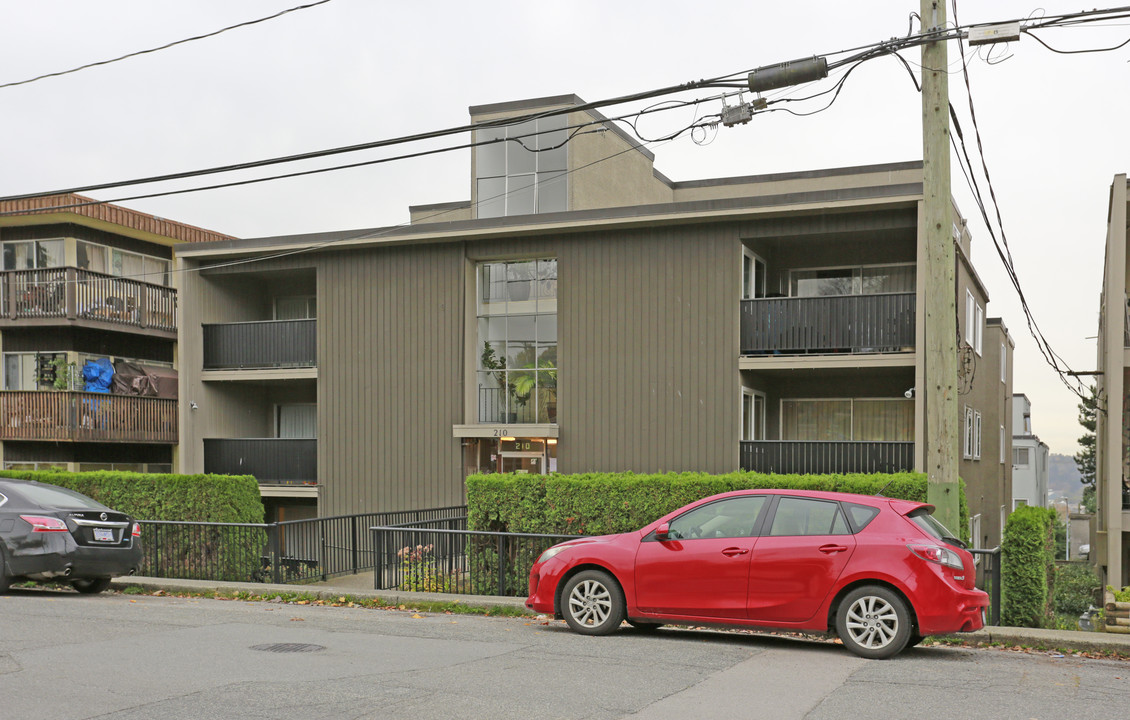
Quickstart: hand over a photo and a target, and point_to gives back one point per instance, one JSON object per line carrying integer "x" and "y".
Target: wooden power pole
{"x": 942, "y": 426}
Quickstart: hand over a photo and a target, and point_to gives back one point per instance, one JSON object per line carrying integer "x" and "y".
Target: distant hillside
{"x": 1063, "y": 477}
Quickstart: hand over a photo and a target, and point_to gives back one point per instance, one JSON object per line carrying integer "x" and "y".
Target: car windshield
{"x": 923, "y": 518}
{"x": 57, "y": 497}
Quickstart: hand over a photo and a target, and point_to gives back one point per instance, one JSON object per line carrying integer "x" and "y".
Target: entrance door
{"x": 523, "y": 462}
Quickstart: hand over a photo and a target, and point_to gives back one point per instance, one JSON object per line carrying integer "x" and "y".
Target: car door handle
{"x": 829, "y": 549}
{"x": 732, "y": 551}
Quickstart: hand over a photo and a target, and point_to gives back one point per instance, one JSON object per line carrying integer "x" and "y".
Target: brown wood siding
{"x": 648, "y": 332}
{"x": 390, "y": 378}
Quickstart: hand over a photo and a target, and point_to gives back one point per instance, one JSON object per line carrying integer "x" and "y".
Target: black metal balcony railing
{"x": 74, "y": 294}
{"x": 86, "y": 417}
{"x": 800, "y": 456}
{"x": 272, "y": 461}
{"x": 846, "y": 323}
{"x": 266, "y": 344}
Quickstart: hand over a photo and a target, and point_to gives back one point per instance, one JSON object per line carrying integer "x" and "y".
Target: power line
{"x": 162, "y": 47}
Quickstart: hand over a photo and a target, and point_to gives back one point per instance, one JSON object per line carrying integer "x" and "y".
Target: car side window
{"x": 806, "y": 516}
{"x": 861, "y": 515}
{"x": 733, "y": 517}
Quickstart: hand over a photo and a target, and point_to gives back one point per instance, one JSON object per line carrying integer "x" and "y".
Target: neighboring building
{"x": 583, "y": 312}
{"x": 1111, "y": 547}
{"x": 1029, "y": 458}
{"x": 86, "y": 282}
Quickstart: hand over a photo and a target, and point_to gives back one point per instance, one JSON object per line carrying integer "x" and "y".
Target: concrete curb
{"x": 1074, "y": 640}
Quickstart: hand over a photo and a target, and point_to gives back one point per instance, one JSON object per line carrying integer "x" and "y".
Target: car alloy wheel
{"x": 593, "y": 603}
{"x": 873, "y": 622}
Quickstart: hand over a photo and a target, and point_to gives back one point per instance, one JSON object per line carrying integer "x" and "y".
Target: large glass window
{"x": 862, "y": 280}
{"x": 859, "y": 419}
{"x": 516, "y": 354}
{"x": 524, "y": 171}
{"x": 122, "y": 263}
{"x": 33, "y": 254}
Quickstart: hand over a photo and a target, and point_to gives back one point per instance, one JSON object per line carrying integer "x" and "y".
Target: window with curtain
{"x": 860, "y": 280}
{"x": 859, "y": 419}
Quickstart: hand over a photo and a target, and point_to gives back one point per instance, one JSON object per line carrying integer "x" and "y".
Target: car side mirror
{"x": 663, "y": 532}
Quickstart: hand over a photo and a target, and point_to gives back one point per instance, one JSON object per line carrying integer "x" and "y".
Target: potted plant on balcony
{"x": 541, "y": 375}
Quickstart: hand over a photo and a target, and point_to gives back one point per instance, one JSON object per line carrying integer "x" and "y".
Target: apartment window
{"x": 753, "y": 275}
{"x": 297, "y": 420}
{"x": 967, "y": 453}
{"x": 41, "y": 465}
{"x": 753, "y": 415}
{"x": 970, "y": 310}
{"x": 524, "y": 172}
{"x": 33, "y": 254}
{"x": 860, "y": 419}
{"x": 122, "y": 263}
{"x": 1004, "y": 363}
{"x": 30, "y": 371}
{"x": 976, "y": 435}
{"x": 979, "y": 329}
{"x": 860, "y": 280}
{"x": 516, "y": 358}
{"x": 1002, "y": 445}
{"x": 1021, "y": 457}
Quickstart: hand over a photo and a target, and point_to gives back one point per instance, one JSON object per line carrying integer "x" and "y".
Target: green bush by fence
{"x": 605, "y": 503}
{"x": 180, "y": 552}
{"x": 1028, "y": 567}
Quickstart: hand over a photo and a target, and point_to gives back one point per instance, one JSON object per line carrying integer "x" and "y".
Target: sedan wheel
{"x": 873, "y": 622}
{"x": 91, "y": 586}
{"x": 593, "y": 603}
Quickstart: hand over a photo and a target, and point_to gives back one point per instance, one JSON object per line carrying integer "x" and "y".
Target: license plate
{"x": 103, "y": 535}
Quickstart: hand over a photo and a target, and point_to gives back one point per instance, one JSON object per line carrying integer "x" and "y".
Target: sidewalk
{"x": 361, "y": 586}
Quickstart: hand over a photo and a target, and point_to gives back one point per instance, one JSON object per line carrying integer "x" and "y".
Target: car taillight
{"x": 136, "y": 530}
{"x": 41, "y": 523}
{"x": 938, "y": 554}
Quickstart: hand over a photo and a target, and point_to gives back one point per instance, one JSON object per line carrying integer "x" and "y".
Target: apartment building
{"x": 581, "y": 311}
{"x": 83, "y": 284}
{"x": 1029, "y": 458}
{"x": 1110, "y": 549}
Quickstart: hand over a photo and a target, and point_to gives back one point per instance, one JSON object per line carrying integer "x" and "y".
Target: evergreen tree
{"x": 1085, "y": 458}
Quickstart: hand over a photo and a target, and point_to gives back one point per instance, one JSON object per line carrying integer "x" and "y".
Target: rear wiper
{"x": 955, "y": 541}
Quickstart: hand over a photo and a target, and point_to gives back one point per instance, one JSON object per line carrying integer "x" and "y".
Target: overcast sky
{"x": 1054, "y": 126}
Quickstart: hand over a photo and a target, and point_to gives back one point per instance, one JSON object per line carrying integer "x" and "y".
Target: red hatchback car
{"x": 881, "y": 573}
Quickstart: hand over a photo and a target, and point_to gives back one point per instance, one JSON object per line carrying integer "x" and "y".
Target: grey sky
{"x": 1053, "y": 126}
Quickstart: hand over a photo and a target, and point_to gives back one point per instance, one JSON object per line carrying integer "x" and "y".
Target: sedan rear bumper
{"x": 58, "y": 555}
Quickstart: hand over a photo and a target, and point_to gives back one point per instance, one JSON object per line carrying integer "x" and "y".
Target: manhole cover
{"x": 289, "y": 647}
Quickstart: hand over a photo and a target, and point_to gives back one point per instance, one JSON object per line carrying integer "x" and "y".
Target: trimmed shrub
{"x": 606, "y": 503}
{"x": 1074, "y": 590}
{"x": 1028, "y": 567}
{"x": 192, "y": 552}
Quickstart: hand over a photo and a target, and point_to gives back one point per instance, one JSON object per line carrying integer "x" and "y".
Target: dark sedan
{"x": 51, "y": 534}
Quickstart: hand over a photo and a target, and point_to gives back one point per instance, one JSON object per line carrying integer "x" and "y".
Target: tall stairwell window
{"x": 523, "y": 172}
{"x": 516, "y": 354}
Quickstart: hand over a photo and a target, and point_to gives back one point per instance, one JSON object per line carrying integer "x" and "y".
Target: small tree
{"x": 1085, "y": 458}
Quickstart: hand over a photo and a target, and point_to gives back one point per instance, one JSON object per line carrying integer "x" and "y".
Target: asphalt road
{"x": 125, "y": 657}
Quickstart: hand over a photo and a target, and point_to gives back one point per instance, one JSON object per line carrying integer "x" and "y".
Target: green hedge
{"x": 602, "y": 503}
{"x": 1028, "y": 567}
{"x": 195, "y": 498}
{"x": 191, "y": 552}
{"x": 605, "y": 503}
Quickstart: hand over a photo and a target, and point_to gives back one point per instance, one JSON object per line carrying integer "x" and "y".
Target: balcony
{"x": 800, "y": 456}
{"x": 835, "y": 324}
{"x": 272, "y": 461}
{"x": 69, "y": 295}
{"x": 261, "y": 345}
{"x": 87, "y": 417}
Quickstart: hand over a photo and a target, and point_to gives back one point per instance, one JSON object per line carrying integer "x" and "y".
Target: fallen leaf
{"x": 417, "y": 616}
{"x": 342, "y": 599}
{"x": 296, "y": 619}
{"x": 300, "y": 602}
{"x": 133, "y": 601}
{"x": 403, "y": 607}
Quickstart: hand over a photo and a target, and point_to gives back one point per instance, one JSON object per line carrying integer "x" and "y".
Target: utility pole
{"x": 942, "y": 426}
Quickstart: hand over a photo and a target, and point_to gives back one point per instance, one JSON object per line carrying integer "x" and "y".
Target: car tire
{"x": 914, "y": 641}
{"x": 91, "y": 586}
{"x": 5, "y": 580}
{"x": 592, "y": 603}
{"x": 645, "y": 625}
{"x": 873, "y": 622}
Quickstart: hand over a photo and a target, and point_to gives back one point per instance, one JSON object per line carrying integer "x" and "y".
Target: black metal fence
{"x": 799, "y": 456}
{"x": 291, "y": 551}
{"x": 847, "y": 323}
{"x": 989, "y": 580}
{"x": 443, "y": 556}
{"x": 266, "y": 344}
